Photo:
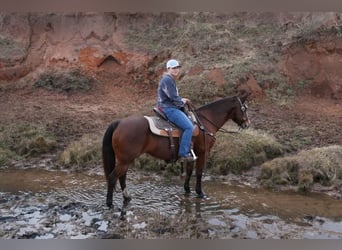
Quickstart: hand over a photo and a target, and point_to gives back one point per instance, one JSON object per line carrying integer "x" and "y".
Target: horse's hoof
{"x": 187, "y": 190}
{"x": 126, "y": 202}
{"x": 126, "y": 195}
{"x": 187, "y": 194}
{"x": 127, "y": 199}
{"x": 202, "y": 196}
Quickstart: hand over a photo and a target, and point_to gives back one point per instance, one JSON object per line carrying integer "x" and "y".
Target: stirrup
{"x": 193, "y": 154}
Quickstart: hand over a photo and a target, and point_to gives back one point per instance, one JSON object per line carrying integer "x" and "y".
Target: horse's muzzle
{"x": 245, "y": 124}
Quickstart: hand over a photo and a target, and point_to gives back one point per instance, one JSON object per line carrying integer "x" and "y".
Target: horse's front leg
{"x": 199, "y": 171}
{"x": 189, "y": 169}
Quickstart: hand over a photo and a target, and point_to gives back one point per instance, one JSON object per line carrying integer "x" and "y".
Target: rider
{"x": 172, "y": 105}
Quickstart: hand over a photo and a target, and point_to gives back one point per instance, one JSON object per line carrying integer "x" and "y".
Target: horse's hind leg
{"x": 111, "y": 182}
{"x": 126, "y": 195}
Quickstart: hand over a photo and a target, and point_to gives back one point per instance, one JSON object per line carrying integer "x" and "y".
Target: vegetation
{"x": 69, "y": 81}
{"x": 238, "y": 152}
{"x": 23, "y": 141}
{"x": 82, "y": 153}
{"x": 10, "y": 50}
{"x": 318, "y": 165}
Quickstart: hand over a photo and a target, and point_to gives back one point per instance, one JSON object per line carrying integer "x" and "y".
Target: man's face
{"x": 174, "y": 71}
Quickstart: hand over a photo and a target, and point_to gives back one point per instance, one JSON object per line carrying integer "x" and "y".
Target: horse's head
{"x": 240, "y": 116}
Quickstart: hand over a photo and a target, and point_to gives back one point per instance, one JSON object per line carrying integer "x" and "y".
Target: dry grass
{"x": 235, "y": 153}
{"x": 68, "y": 81}
{"x": 10, "y": 49}
{"x": 318, "y": 165}
{"x": 82, "y": 153}
{"x": 23, "y": 141}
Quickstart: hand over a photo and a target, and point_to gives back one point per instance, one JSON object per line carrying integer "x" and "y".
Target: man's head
{"x": 173, "y": 67}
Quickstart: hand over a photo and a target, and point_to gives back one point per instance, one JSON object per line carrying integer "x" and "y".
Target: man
{"x": 171, "y": 104}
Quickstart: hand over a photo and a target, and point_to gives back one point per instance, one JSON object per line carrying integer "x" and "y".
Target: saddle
{"x": 160, "y": 125}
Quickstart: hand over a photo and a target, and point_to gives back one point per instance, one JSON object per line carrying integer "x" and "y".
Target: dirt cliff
{"x": 303, "y": 49}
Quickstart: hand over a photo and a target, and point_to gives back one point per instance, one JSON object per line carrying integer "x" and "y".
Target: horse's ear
{"x": 243, "y": 94}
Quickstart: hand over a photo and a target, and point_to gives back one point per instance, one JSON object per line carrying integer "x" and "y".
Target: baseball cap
{"x": 172, "y": 64}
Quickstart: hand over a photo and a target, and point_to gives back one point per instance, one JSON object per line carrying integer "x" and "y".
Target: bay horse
{"x": 127, "y": 138}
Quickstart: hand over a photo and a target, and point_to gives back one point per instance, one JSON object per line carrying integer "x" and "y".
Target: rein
{"x": 220, "y": 129}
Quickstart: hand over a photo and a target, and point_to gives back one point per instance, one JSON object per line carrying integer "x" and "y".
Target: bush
{"x": 82, "y": 153}
{"x": 238, "y": 152}
{"x": 318, "y": 165}
{"x": 69, "y": 82}
{"x": 6, "y": 156}
{"x": 26, "y": 140}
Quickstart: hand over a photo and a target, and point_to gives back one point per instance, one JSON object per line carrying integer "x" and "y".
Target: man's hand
{"x": 188, "y": 103}
{"x": 186, "y": 100}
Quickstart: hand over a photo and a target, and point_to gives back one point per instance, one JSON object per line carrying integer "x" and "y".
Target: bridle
{"x": 243, "y": 108}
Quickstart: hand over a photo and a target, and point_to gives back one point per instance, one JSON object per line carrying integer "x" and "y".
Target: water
{"x": 76, "y": 202}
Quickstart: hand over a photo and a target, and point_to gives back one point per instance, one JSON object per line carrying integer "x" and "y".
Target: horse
{"x": 126, "y": 139}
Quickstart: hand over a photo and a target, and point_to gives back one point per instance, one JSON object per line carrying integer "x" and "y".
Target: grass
{"x": 23, "y": 141}
{"x": 68, "y": 81}
{"x": 10, "y": 49}
{"x": 236, "y": 153}
{"x": 239, "y": 44}
{"x": 6, "y": 156}
{"x": 200, "y": 91}
{"x": 82, "y": 153}
{"x": 318, "y": 165}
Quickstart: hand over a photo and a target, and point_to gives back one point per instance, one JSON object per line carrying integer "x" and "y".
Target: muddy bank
{"x": 41, "y": 204}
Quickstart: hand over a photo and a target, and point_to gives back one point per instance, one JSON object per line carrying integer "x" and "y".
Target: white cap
{"x": 172, "y": 64}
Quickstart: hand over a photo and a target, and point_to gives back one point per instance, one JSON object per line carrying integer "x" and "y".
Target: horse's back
{"x": 131, "y": 133}
{"x": 134, "y": 121}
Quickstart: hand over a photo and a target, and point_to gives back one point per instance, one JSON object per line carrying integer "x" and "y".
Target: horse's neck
{"x": 216, "y": 114}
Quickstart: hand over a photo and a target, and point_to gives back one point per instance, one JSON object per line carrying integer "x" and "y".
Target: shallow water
{"x": 229, "y": 211}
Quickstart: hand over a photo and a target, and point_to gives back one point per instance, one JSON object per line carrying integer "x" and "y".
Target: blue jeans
{"x": 180, "y": 119}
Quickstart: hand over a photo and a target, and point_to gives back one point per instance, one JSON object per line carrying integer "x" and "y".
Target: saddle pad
{"x": 160, "y": 127}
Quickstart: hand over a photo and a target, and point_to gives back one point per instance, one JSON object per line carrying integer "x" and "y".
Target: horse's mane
{"x": 215, "y": 102}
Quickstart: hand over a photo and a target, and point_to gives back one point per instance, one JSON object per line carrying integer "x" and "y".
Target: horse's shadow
{"x": 193, "y": 205}
{"x": 189, "y": 204}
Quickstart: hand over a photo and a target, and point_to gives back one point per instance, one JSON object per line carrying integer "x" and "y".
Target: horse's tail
{"x": 108, "y": 154}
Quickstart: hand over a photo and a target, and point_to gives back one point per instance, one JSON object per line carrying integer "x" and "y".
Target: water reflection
{"x": 191, "y": 205}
